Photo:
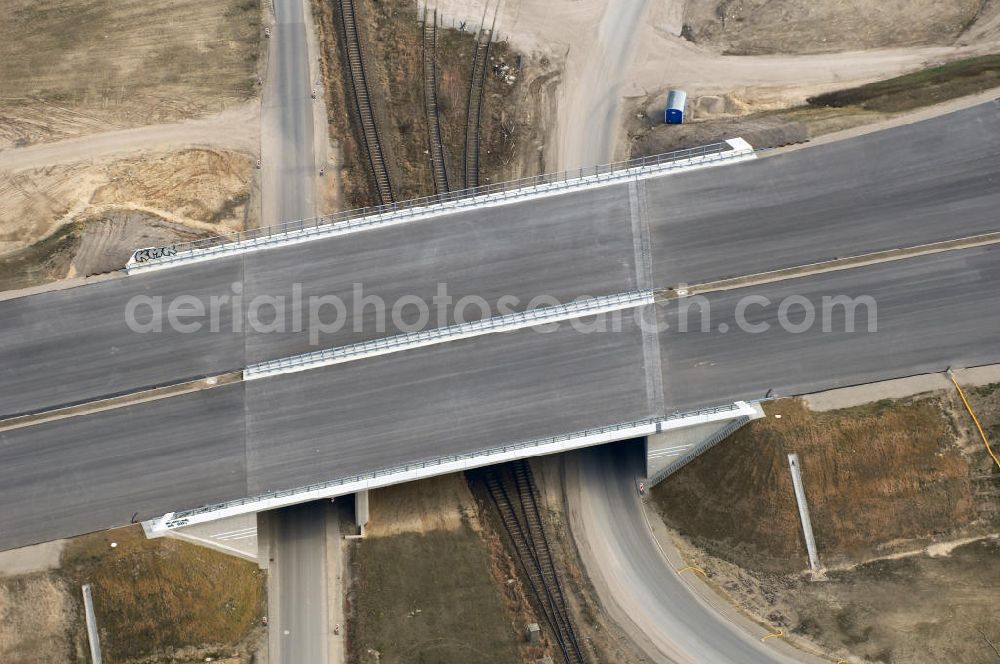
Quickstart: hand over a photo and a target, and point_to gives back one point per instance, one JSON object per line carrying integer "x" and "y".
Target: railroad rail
{"x": 514, "y": 497}
{"x": 362, "y": 102}
{"x": 436, "y": 146}
{"x": 480, "y": 66}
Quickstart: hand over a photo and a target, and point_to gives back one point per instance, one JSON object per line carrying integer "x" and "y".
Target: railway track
{"x": 431, "y": 103}
{"x": 362, "y": 102}
{"x": 480, "y": 67}
{"x": 515, "y": 500}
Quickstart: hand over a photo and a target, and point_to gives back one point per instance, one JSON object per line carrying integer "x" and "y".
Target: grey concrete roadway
{"x": 298, "y": 631}
{"x": 440, "y": 400}
{"x": 59, "y": 348}
{"x": 544, "y": 247}
{"x": 89, "y": 473}
{"x": 932, "y": 312}
{"x": 288, "y": 162}
{"x": 71, "y": 345}
{"x": 74, "y": 345}
{"x": 929, "y": 181}
{"x": 633, "y": 579}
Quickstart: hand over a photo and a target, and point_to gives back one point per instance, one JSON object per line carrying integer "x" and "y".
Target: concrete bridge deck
{"x": 94, "y": 471}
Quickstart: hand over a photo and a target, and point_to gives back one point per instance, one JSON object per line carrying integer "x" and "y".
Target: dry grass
{"x": 157, "y": 596}
{"x": 72, "y": 67}
{"x": 35, "y": 615}
{"x": 427, "y": 598}
{"x": 923, "y": 88}
{"x": 873, "y": 474}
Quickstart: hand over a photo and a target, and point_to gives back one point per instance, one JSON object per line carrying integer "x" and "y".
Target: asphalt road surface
{"x": 288, "y": 163}
{"x": 83, "y": 474}
{"x": 633, "y": 578}
{"x": 933, "y": 180}
{"x": 94, "y": 471}
{"x": 435, "y": 401}
{"x": 298, "y": 635}
{"x": 923, "y": 182}
{"x": 74, "y": 345}
{"x": 930, "y": 312}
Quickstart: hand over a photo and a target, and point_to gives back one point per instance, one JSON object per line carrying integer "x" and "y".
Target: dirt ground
{"x": 87, "y": 66}
{"x": 742, "y": 27}
{"x": 113, "y": 207}
{"x": 905, "y": 505}
{"x": 155, "y": 600}
{"x": 513, "y": 121}
{"x": 880, "y": 478}
{"x": 656, "y": 57}
{"x": 925, "y": 608}
{"x": 429, "y": 584}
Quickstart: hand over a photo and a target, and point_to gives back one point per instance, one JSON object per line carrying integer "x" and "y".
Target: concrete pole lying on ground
{"x": 800, "y": 498}
{"x": 92, "y": 635}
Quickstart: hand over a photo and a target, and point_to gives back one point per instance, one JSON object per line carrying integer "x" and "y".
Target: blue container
{"x": 676, "y": 99}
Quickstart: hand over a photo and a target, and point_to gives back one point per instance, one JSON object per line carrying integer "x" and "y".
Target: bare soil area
{"x": 879, "y": 478}
{"x": 157, "y": 197}
{"x": 743, "y": 27}
{"x": 515, "y": 101}
{"x": 925, "y": 608}
{"x": 905, "y": 507}
{"x": 69, "y": 68}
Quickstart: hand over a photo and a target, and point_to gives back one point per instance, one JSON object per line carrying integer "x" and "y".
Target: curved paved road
{"x": 633, "y": 579}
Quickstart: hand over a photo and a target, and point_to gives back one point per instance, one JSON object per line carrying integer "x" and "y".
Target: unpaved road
{"x": 233, "y": 130}
{"x": 613, "y": 51}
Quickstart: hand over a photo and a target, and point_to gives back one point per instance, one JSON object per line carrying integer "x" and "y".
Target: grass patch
{"x": 44, "y": 261}
{"x": 428, "y": 599}
{"x": 155, "y": 596}
{"x": 922, "y": 88}
{"x": 873, "y": 474}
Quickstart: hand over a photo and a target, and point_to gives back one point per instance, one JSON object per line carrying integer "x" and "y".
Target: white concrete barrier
{"x": 443, "y": 465}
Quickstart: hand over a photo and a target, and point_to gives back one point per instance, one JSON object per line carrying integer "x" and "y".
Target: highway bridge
{"x": 414, "y": 405}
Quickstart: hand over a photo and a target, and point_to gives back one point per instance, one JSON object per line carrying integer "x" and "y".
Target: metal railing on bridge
{"x": 180, "y": 518}
{"x": 507, "y": 190}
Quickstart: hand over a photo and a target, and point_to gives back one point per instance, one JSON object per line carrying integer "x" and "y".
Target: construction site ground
{"x": 512, "y": 140}
{"x": 87, "y": 217}
{"x": 74, "y": 68}
{"x": 121, "y": 125}
{"x": 878, "y": 102}
{"x": 905, "y": 505}
{"x": 155, "y": 600}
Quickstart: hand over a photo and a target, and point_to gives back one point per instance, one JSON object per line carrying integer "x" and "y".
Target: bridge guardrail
{"x": 355, "y": 219}
{"x": 539, "y": 316}
{"x": 180, "y": 518}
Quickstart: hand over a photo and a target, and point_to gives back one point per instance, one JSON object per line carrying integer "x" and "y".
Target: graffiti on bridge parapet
{"x": 152, "y": 253}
